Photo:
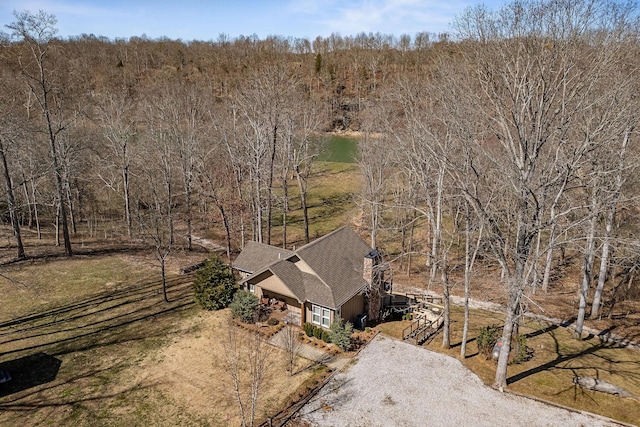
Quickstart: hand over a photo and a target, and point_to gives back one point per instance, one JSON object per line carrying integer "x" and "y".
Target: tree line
{"x": 512, "y": 140}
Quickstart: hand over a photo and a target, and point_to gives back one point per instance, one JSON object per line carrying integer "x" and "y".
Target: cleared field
{"x": 84, "y": 350}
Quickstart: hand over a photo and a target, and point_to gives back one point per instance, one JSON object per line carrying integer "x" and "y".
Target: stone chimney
{"x": 372, "y": 274}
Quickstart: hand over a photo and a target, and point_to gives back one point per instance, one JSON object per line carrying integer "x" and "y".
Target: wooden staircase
{"x": 421, "y": 329}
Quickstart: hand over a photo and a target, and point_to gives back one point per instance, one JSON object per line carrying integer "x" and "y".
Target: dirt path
{"x": 475, "y": 304}
{"x": 208, "y": 244}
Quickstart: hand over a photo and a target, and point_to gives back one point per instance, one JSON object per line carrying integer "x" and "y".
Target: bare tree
{"x": 8, "y": 129}
{"x": 303, "y": 148}
{"x": 155, "y": 227}
{"x": 534, "y": 74}
{"x": 291, "y": 340}
{"x": 11, "y": 201}
{"x": 38, "y": 31}
{"x": 375, "y": 169}
{"x": 262, "y": 102}
{"x": 116, "y": 114}
{"x": 470, "y": 255}
{"x": 622, "y": 168}
{"x": 245, "y": 362}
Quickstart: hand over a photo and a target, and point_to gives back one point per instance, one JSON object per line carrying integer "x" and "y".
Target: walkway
{"x": 305, "y": 350}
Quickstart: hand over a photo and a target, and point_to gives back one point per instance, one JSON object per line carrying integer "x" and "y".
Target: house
{"x": 333, "y": 276}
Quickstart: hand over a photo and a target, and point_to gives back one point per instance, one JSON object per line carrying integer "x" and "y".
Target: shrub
{"x": 308, "y": 328}
{"x": 272, "y": 321}
{"x": 325, "y": 336}
{"x": 487, "y": 338}
{"x": 522, "y": 351}
{"x": 215, "y": 285}
{"x": 245, "y": 307}
{"x": 317, "y": 332}
{"x": 340, "y": 334}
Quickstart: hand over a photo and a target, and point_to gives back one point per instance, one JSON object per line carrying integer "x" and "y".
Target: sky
{"x": 206, "y": 20}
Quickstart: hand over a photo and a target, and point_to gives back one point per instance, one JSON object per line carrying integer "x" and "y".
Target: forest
{"x": 511, "y": 142}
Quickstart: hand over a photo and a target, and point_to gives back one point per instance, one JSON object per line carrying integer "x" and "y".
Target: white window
{"x": 321, "y": 316}
{"x": 252, "y": 287}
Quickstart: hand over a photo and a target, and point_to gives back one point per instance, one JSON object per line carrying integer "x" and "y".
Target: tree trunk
{"x": 586, "y": 276}
{"x": 604, "y": 263}
{"x": 270, "y": 184}
{"x": 303, "y": 203}
{"x": 35, "y": 209}
{"x": 446, "y": 334}
{"x": 11, "y": 204}
{"x": 189, "y": 221}
{"x": 257, "y": 208}
{"x": 127, "y": 204}
{"x": 60, "y": 189}
{"x": 549, "y": 259}
{"x": 410, "y": 245}
{"x": 57, "y": 168}
{"x": 611, "y": 214}
{"x": 72, "y": 217}
{"x": 500, "y": 381}
{"x": 437, "y": 222}
{"x": 227, "y": 230}
{"x": 25, "y": 189}
{"x": 164, "y": 278}
{"x": 57, "y": 223}
{"x": 468, "y": 265}
{"x": 285, "y": 206}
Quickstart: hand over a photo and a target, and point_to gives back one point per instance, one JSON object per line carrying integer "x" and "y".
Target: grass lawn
{"x": 331, "y": 201}
{"x": 90, "y": 341}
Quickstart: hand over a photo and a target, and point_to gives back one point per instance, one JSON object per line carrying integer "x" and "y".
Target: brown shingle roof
{"x": 336, "y": 259}
{"x": 291, "y": 276}
{"x": 256, "y": 256}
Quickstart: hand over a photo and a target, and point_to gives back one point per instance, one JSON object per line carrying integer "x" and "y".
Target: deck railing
{"x": 410, "y": 330}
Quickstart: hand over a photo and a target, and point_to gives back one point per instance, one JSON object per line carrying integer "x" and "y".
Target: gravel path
{"x": 393, "y": 383}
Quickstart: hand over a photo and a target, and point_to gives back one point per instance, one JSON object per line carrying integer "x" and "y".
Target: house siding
{"x": 309, "y": 314}
{"x": 352, "y": 308}
{"x": 303, "y": 266}
{"x": 271, "y": 284}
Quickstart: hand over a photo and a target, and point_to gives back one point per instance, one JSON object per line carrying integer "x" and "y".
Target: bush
{"x": 317, "y": 332}
{"x": 215, "y": 285}
{"x": 487, "y": 338}
{"x": 272, "y": 321}
{"x": 522, "y": 353}
{"x": 245, "y": 307}
{"x": 340, "y": 334}
{"x": 325, "y": 336}
{"x": 308, "y": 328}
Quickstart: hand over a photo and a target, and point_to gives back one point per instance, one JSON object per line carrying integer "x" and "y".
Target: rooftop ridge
{"x": 320, "y": 239}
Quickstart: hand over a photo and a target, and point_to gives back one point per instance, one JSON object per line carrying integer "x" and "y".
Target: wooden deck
{"x": 428, "y": 318}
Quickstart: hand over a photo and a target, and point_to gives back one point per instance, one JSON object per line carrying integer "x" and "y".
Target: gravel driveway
{"x": 393, "y": 383}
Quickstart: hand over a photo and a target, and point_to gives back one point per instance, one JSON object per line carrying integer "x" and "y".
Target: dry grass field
{"x": 90, "y": 341}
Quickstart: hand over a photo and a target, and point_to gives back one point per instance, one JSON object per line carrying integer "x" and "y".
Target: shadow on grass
{"x": 562, "y": 358}
{"x": 49, "y": 253}
{"x": 105, "y": 319}
{"x": 29, "y": 371}
{"x": 541, "y": 331}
